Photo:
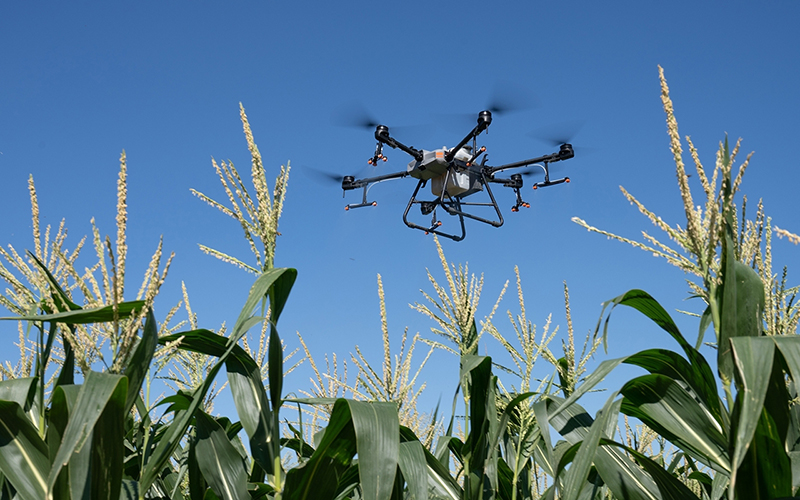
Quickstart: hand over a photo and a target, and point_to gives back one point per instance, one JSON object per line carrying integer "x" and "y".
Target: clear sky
{"x": 81, "y": 81}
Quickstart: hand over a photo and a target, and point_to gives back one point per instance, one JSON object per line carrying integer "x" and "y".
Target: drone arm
{"x": 382, "y": 135}
{"x": 564, "y": 153}
{"x": 350, "y": 182}
{"x": 484, "y": 120}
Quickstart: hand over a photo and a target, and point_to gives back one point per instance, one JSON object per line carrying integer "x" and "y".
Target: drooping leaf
{"x": 662, "y": 404}
{"x": 85, "y": 316}
{"x": 668, "y": 485}
{"x": 623, "y": 477}
{"x": 672, "y": 365}
{"x": 182, "y": 419}
{"x": 19, "y": 390}
{"x": 249, "y": 396}
{"x": 23, "y": 454}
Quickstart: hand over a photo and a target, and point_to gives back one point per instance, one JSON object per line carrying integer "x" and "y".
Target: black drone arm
{"x": 564, "y": 153}
{"x": 484, "y": 120}
{"x": 349, "y": 182}
{"x": 382, "y": 135}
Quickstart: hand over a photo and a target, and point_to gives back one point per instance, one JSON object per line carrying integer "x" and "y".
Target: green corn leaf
{"x": 647, "y": 305}
{"x": 58, "y": 416}
{"x": 74, "y": 478}
{"x": 478, "y": 382}
{"x": 763, "y": 478}
{"x": 741, "y": 296}
{"x": 623, "y": 477}
{"x": 129, "y": 490}
{"x": 705, "y": 322}
{"x": 282, "y": 278}
{"x": 136, "y": 370}
{"x": 275, "y": 367}
{"x": 378, "y": 440}
{"x": 86, "y": 316}
{"x": 19, "y": 390}
{"x": 249, "y": 396}
{"x": 438, "y": 474}
{"x": 597, "y": 376}
{"x": 414, "y": 468}
{"x": 220, "y": 463}
{"x": 668, "y": 485}
{"x": 672, "y": 365}
{"x": 197, "y": 483}
{"x": 662, "y": 404}
{"x": 23, "y": 454}
{"x": 98, "y": 413}
{"x": 545, "y": 445}
{"x": 579, "y": 471}
{"x": 182, "y": 419}
{"x": 318, "y": 478}
{"x": 60, "y": 297}
{"x": 753, "y": 360}
{"x": 369, "y": 429}
{"x": 279, "y": 292}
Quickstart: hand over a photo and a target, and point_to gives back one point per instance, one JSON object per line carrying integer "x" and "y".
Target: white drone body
{"x": 460, "y": 181}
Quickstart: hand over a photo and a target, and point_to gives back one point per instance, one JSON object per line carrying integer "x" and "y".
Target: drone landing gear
{"x": 429, "y": 208}
{"x": 453, "y": 205}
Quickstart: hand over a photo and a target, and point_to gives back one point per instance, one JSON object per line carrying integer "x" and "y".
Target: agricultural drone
{"x": 455, "y": 174}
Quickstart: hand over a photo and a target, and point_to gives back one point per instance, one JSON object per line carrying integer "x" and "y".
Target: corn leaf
{"x": 244, "y": 378}
{"x": 180, "y": 423}
{"x": 19, "y": 390}
{"x": 139, "y": 364}
{"x": 101, "y": 399}
{"x": 85, "y": 316}
{"x": 218, "y": 460}
{"x": 413, "y": 466}
{"x": 23, "y": 454}
{"x": 666, "y": 407}
{"x": 378, "y": 441}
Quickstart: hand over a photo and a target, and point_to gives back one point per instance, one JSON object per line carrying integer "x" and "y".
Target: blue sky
{"x": 162, "y": 80}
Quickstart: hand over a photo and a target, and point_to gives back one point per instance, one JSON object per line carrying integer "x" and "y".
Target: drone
{"x": 455, "y": 176}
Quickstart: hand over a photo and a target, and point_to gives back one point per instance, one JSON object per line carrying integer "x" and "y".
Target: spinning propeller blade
{"x": 326, "y": 177}
{"x": 354, "y": 115}
{"x": 558, "y": 133}
{"x": 508, "y": 97}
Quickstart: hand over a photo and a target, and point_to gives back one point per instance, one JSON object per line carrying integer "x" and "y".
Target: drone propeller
{"x": 507, "y": 97}
{"x": 354, "y": 115}
{"x": 558, "y": 133}
{"x": 326, "y": 177}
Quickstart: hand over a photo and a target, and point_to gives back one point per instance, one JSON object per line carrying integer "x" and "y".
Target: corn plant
{"x": 741, "y": 445}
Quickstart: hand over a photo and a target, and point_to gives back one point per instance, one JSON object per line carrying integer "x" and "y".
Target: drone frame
{"x": 484, "y": 174}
